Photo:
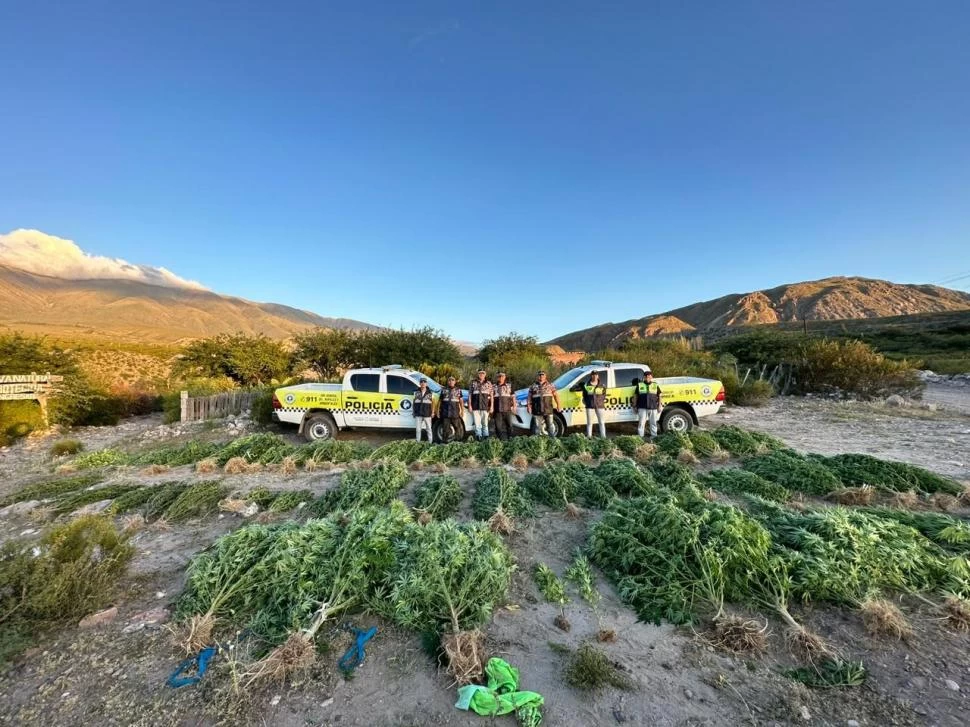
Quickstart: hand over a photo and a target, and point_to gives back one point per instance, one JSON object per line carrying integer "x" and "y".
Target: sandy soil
{"x": 114, "y": 674}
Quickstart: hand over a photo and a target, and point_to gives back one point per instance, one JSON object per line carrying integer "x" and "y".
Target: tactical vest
{"x": 480, "y": 395}
{"x": 594, "y": 397}
{"x": 450, "y": 403}
{"x": 423, "y": 403}
{"x": 541, "y": 395}
{"x": 504, "y": 397}
{"x": 648, "y": 395}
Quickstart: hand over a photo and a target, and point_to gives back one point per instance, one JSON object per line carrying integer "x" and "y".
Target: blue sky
{"x": 487, "y": 167}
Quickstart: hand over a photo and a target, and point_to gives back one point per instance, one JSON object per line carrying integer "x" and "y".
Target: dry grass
{"x": 957, "y": 612}
{"x": 906, "y": 500}
{"x": 236, "y": 466}
{"x": 42, "y": 513}
{"x": 720, "y": 456}
{"x": 466, "y": 655}
{"x": 65, "y": 469}
{"x": 206, "y": 466}
{"x": 311, "y": 465}
{"x": 417, "y": 465}
{"x": 162, "y": 525}
{"x": 133, "y": 523}
{"x": 883, "y": 618}
{"x": 965, "y": 495}
{"x": 738, "y": 635}
{"x": 361, "y": 464}
{"x": 573, "y": 511}
{"x": 710, "y": 495}
{"x": 155, "y": 469}
{"x": 519, "y": 462}
{"x": 501, "y": 523}
{"x": 583, "y": 457}
{"x": 288, "y": 466}
{"x": 439, "y": 467}
{"x": 197, "y": 633}
{"x": 469, "y": 463}
{"x": 257, "y": 467}
{"x": 644, "y": 453}
{"x": 944, "y": 502}
{"x": 685, "y": 456}
{"x": 271, "y": 467}
{"x": 231, "y": 504}
{"x": 854, "y": 495}
{"x": 804, "y": 644}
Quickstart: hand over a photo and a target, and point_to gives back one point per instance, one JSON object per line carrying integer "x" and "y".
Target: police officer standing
{"x": 542, "y": 404}
{"x": 450, "y": 410}
{"x": 423, "y": 408}
{"x": 480, "y": 394}
{"x": 648, "y": 404}
{"x": 503, "y": 405}
{"x": 594, "y": 399}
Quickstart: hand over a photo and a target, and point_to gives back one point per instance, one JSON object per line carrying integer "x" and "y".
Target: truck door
{"x": 400, "y": 392}
{"x": 621, "y": 396}
{"x": 364, "y": 403}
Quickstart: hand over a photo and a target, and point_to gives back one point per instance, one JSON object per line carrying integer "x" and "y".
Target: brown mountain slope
{"x": 826, "y": 299}
{"x": 128, "y": 310}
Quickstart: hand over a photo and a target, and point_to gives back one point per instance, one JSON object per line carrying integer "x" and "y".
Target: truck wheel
{"x": 437, "y": 429}
{"x": 675, "y": 419}
{"x": 560, "y": 421}
{"x": 319, "y": 426}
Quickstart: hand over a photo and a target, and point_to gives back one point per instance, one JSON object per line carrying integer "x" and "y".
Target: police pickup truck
{"x": 685, "y": 398}
{"x": 381, "y": 398}
{"x": 373, "y": 398}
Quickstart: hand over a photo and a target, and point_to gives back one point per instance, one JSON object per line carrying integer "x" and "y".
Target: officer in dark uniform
{"x": 423, "y": 408}
{"x": 594, "y": 399}
{"x": 543, "y": 403}
{"x": 649, "y": 404}
{"x": 504, "y": 405}
{"x": 480, "y": 402}
{"x": 450, "y": 410}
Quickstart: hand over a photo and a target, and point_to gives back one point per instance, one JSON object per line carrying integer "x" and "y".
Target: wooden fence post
{"x": 184, "y": 406}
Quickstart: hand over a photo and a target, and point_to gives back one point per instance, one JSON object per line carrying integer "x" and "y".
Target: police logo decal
{"x": 405, "y": 404}
{"x": 706, "y": 390}
{"x": 289, "y": 398}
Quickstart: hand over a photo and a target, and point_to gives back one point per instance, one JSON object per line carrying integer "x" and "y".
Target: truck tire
{"x": 319, "y": 426}
{"x": 437, "y": 431}
{"x": 675, "y": 419}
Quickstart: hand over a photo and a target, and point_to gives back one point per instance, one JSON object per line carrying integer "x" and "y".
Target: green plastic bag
{"x": 500, "y": 695}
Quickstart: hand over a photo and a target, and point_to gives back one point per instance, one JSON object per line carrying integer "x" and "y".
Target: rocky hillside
{"x": 828, "y": 299}
{"x": 131, "y": 310}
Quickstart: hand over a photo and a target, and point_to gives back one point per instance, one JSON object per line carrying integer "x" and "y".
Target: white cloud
{"x": 43, "y": 254}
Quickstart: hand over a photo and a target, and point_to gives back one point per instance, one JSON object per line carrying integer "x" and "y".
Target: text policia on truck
{"x": 383, "y": 398}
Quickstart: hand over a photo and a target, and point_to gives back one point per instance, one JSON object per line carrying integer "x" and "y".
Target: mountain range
{"x": 836, "y": 298}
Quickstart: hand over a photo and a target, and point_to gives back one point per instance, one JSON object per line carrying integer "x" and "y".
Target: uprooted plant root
{"x": 424, "y": 518}
{"x": 883, "y": 618}
{"x": 562, "y": 623}
{"x": 738, "y": 635}
{"x": 606, "y": 636}
{"x": 806, "y": 645}
{"x": 465, "y": 651}
{"x": 197, "y": 633}
{"x": 573, "y": 511}
{"x": 854, "y": 495}
{"x": 501, "y": 523}
{"x": 236, "y": 466}
{"x": 295, "y": 654}
{"x": 957, "y": 612}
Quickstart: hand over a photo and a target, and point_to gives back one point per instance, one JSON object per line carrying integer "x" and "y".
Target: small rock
{"x": 275, "y": 700}
{"x": 688, "y": 693}
{"x": 19, "y": 508}
{"x": 852, "y": 723}
{"x": 148, "y": 618}
{"x": 93, "y": 508}
{"x": 327, "y": 702}
{"x": 895, "y": 401}
{"x": 250, "y": 510}
{"x": 806, "y": 715}
{"x": 99, "y": 618}
{"x": 952, "y": 685}
{"x": 159, "y": 594}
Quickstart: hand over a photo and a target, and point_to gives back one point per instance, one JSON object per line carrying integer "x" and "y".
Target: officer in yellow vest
{"x": 649, "y": 405}
{"x": 594, "y": 399}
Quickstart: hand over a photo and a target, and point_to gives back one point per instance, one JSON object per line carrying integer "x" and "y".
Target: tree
{"x": 511, "y": 345}
{"x": 247, "y": 360}
{"x": 329, "y": 351}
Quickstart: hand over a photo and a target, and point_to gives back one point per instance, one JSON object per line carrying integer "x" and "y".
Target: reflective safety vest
{"x": 423, "y": 403}
{"x": 648, "y": 395}
{"x": 594, "y": 397}
{"x": 541, "y": 396}
{"x": 504, "y": 397}
{"x": 480, "y": 395}
{"x": 450, "y": 403}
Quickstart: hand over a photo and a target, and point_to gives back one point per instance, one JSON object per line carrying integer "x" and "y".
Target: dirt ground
{"x": 115, "y": 674}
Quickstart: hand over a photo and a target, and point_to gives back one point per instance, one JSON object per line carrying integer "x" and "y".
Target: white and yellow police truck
{"x": 685, "y": 398}
{"x": 372, "y": 398}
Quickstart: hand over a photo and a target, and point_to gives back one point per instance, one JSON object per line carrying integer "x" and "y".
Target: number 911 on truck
{"x": 381, "y": 398}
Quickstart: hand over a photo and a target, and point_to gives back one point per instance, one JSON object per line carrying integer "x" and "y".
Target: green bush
{"x": 18, "y": 419}
{"x": 262, "y": 411}
{"x": 65, "y": 447}
{"x": 172, "y": 401}
{"x": 101, "y": 458}
{"x": 754, "y": 392}
{"x": 439, "y": 496}
{"x": 73, "y": 571}
{"x": 247, "y": 360}
{"x": 794, "y": 472}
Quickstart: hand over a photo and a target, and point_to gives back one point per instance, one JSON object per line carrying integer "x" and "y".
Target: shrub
{"x": 247, "y": 360}
{"x": 794, "y": 472}
{"x": 262, "y": 411}
{"x": 862, "y": 469}
{"x": 754, "y": 392}
{"x": 741, "y": 482}
{"x": 497, "y": 490}
{"x": 74, "y": 572}
{"x": 66, "y": 447}
{"x": 101, "y": 458}
{"x": 439, "y": 496}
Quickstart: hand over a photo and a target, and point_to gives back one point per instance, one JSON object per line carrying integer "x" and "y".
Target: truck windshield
{"x": 567, "y": 378}
{"x": 432, "y": 384}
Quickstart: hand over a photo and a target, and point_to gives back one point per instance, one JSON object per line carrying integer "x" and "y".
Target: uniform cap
{"x": 481, "y": 371}
{"x": 423, "y": 381}
{"x": 540, "y": 373}
{"x": 500, "y": 373}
